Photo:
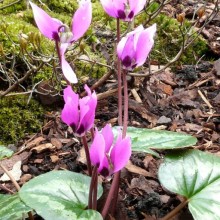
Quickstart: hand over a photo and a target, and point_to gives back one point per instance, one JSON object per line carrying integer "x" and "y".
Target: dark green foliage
{"x": 18, "y": 118}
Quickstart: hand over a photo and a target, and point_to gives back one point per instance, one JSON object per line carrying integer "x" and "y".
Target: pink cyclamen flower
{"x": 134, "y": 48}
{"x": 108, "y": 157}
{"x": 123, "y": 9}
{"x": 78, "y": 113}
{"x": 54, "y": 29}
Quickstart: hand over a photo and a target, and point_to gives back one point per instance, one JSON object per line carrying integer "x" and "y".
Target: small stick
{"x": 31, "y": 217}
{"x": 175, "y": 211}
{"x": 11, "y": 177}
{"x": 205, "y": 99}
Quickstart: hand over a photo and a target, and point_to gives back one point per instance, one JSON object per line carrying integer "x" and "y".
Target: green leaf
{"x": 196, "y": 176}
{"x": 5, "y": 152}
{"x": 144, "y": 140}
{"x": 60, "y": 195}
{"x": 11, "y": 207}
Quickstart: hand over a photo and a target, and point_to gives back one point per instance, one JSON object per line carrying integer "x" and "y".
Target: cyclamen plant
{"x": 74, "y": 196}
{"x": 54, "y": 29}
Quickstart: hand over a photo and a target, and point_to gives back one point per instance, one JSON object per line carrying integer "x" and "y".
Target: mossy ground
{"x": 18, "y": 118}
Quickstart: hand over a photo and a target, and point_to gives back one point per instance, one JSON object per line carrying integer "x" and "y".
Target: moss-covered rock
{"x": 18, "y": 118}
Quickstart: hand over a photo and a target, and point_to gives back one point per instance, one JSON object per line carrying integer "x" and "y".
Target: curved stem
{"x": 125, "y": 122}
{"x": 84, "y": 141}
{"x": 175, "y": 211}
{"x": 119, "y": 78}
{"x": 111, "y": 194}
{"x": 92, "y": 204}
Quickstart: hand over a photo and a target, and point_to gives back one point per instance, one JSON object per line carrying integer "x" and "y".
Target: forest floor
{"x": 185, "y": 100}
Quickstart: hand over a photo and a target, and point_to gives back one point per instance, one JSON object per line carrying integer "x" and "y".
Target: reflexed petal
{"x": 46, "y": 24}
{"x": 121, "y": 46}
{"x": 108, "y": 136}
{"x": 97, "y": 149}
{"x": 92, "y": 101}
{"x": 136, "y": 6}
{"x": 109, "y": 8}
{"x": 120, "y": 154}
{"x": 66, "y": 68}
{"x": 87, "y": 113}
{"x": 70, "y": 95}
{"x": 70, "y": 112}
{"x": 128, "y": 53}
{"x": 82, "y": 19}
{"x": 144, "y": 44}
{"x": 86, "y": 119}
{"x": 68, "y": 71}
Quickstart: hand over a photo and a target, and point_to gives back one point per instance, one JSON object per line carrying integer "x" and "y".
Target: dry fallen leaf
{"x": 15, "y": 172}
{"x": 43, "y": 147}
{"x": 135, "y": 169}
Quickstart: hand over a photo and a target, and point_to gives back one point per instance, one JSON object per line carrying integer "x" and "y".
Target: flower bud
{"x": 181, "y": 17}
{"x": 23, "y": 39}
{"x": 201, "y": 11}
{"x": 1, "y": 50}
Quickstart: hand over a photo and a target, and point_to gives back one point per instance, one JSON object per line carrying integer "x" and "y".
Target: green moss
{"x": 65, "y": 6}
{"x": 18, "y": 118}
{"x": 8, "y": 7}
{"x": 168, "y": 40}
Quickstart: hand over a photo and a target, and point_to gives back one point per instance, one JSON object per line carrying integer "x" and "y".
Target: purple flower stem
{"x": 125, "y": 122}
{"x": 92, "y": 133}
{"x": 95, "y": 187}
{"x": 92, "y": 204}
{"x": 84, "y": 141}
{"x": 111, "y": 195}
{"x": 119, "y": 79}
{"x": 58, "y": 50}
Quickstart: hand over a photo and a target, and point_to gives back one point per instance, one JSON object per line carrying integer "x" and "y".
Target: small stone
{"x": 25, "y": 178}
{"x": 163, "y": 120}
{"x": 54, "y": 158}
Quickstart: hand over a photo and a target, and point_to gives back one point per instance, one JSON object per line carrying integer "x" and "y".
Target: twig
{"x": 6, "y": 189}
{"x": 10, "y": 4}
{"x": 175, "y": 211}
{"x": 205, "y": 99}
{"x": 28, "y": 73}
{"x": 11, "y": 177}
{"x": 99, "y": 82}
{"x": 16, "y": 186}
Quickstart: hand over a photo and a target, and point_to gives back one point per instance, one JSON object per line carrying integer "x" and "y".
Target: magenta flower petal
{"x": 128, "y": 42}
{"x": 120, "y": 154}
{"x": 145, "y": 44}
{"x": 98, "y": 154}
{"x": 136, "y": 6}
{"x": 134, "y": 48}
{"x": 87, "y": 112}
{"x": 121, "y": 46}
{"x": 65, "y": 66}
{"x": 109, "y": 8}
{"x": 128, "y": 53}
{"x": 108, "y": 136}
{"x": 97, "y": 149}
{"x": 46, "y": 24}
{"x": 70, "y": 112}
{"x": 82, "y": 19}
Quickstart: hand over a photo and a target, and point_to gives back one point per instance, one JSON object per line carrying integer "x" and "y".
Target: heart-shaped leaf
{"x": 11, "y": 207}
{"x": 144, "y": 140}
{"x": 5, "y": 152}
{"x": 60, "y": 195}
{"x": 196, "y": 176}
